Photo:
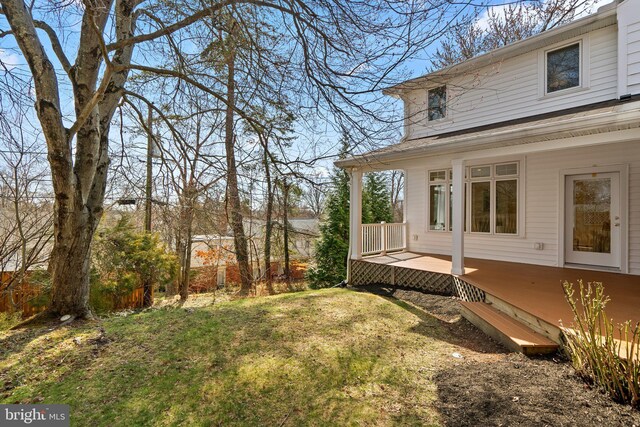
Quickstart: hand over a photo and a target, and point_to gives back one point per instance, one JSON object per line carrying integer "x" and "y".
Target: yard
{"x": 328, "y": 357}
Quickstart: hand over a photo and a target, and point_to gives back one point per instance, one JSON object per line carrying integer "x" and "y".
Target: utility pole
{"x": 147, "y": 300}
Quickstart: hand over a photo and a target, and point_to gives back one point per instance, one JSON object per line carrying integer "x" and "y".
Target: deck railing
{"x": 382, "y": 238}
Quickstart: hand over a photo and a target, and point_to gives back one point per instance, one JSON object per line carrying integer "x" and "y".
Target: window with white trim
{"x": 491, "y": 199}
{"x": 563, "y": 68}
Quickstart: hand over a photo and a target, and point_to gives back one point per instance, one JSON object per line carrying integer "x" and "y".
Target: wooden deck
{"x": 534, "y": 289}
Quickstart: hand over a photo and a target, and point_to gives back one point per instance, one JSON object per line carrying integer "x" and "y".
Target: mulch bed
{"x": 508, "y": 389}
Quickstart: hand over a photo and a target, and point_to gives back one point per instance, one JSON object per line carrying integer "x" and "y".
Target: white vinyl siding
{"x": 511, "y": 89}
{"x": 633, "y": 54}
{"x": 541, "y": 197}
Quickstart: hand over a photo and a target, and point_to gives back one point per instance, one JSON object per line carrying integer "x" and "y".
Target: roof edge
{"x": 510, "y": 50}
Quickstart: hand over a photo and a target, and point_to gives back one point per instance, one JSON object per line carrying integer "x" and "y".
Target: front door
{"x": 592, "y": 227}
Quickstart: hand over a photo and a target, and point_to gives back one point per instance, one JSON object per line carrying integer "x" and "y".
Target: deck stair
{"x": 515, "y": 335}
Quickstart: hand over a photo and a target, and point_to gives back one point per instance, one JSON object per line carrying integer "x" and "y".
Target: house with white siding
{"x": 526, "y": 157}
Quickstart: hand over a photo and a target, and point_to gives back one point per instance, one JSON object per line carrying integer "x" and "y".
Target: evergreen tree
{"x": 376, "y": 199}
{"x": 332, "y": 248}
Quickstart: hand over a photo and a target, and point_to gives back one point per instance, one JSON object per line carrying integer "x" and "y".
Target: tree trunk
{"x": 233, "y": 194}
{"x": 285, "y": 223}
{"x": 79, "y": 184}
{"x": 268, "y": 227}
{"x": 147, "y": 285}
{"x": 187, "y": 225}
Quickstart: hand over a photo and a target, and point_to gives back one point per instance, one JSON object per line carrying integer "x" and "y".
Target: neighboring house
{"x": 527, "y": 154}
{"x": 303, "y": 233}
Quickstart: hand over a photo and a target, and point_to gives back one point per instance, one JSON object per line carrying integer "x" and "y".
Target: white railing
{"x": 382, "y": 238}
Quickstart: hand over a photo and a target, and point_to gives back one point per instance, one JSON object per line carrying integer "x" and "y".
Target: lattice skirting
{"x": 368, "y": 273}
{"x": 435, "y": 283}
{"x": 467, "y": 292}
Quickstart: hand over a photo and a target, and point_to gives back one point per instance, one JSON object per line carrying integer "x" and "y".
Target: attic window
{"x": 437, "y": 103}
{"x": 563, "y": 68}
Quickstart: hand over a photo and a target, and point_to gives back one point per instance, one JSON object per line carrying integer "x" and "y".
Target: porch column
{"x": 355, "y": 214}
{"x": 457, "y": 245}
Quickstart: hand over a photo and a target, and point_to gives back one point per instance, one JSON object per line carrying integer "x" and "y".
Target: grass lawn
{"x": 327, "y": 357}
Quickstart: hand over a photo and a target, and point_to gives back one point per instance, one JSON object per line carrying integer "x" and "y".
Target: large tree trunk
{"x": 78, "y": 184}
{"x": 70, "y": 263}
{"x": 233, "y": 193}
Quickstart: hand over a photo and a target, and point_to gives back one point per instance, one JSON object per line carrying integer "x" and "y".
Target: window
{"x": 437, "y": 103}
{"x": 491, "y": 199}
{"x": 441, "y": 200}
{"x": 563, "y": 68}
{"x": 438, "y": 184}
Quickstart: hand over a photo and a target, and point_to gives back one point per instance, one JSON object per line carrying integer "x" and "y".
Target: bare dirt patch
{"x": 490, "y": 387}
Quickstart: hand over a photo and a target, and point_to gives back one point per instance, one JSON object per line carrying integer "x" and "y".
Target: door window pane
{"x": 480, "y": 207}
{"x": 592, "y": 215}
{"x": 507, "y": 207}
{"x": 437, "y": 207}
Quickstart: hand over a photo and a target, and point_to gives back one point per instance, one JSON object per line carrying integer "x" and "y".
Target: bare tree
{"x": 339, "y": 53}
{"x": 505, "y": 25}
{"x": 25, "y": 208}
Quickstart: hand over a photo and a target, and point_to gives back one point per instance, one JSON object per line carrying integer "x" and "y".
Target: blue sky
{"x": 325, "y": 136}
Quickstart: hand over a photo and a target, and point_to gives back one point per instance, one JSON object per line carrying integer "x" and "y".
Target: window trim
{"x": 583, "y": 43}
{"x": 492, "y": 179}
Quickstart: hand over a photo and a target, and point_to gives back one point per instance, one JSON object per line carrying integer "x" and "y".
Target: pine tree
{"x": 333, "y": 247}
{"x": 376, "y": 199}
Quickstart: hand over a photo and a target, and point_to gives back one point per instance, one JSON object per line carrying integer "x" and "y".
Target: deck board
{"x": 533, "y": 288}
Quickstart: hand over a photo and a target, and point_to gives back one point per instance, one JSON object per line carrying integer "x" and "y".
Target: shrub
{"x": 123, "y": 258}
{"x": 598, "y": 354}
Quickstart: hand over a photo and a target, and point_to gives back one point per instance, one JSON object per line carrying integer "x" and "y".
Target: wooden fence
{"x": 206, "y": 278}
{"x": 23, "y": 297}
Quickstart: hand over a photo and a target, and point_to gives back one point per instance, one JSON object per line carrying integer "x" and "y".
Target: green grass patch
{"x": 327, "y": 357}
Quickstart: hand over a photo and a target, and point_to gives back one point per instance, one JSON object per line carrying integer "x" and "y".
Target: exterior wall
{"x": 514, "y": 88}
{"x": 541, "y": 174}
{"x": 629, "y": 48}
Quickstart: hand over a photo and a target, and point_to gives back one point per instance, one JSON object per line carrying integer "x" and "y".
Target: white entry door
{"x": 592, "y": 223}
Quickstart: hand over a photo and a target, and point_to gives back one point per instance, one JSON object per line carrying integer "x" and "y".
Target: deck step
{"x": 510, "y": 332}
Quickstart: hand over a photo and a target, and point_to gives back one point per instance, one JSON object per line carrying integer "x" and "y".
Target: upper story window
{"x": 563, "y": 68}
{"x": 437, "y": 103}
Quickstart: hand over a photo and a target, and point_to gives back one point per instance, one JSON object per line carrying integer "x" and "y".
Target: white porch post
{"x": 355, "y": 214}
{"x": 457, "y": 246}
